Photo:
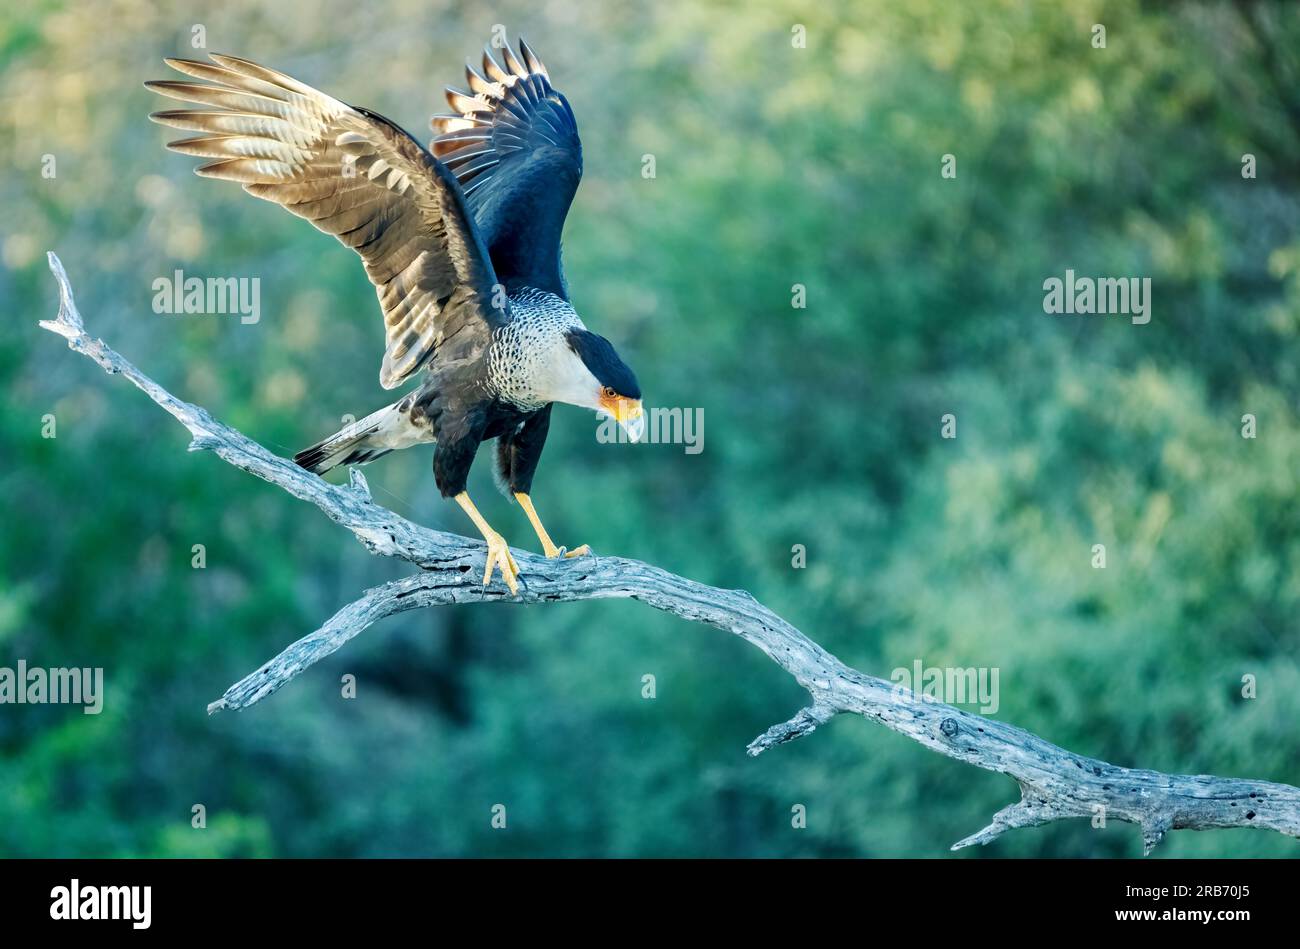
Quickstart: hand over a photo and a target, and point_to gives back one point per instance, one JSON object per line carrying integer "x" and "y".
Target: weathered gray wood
{"x": 1054, "y": 783}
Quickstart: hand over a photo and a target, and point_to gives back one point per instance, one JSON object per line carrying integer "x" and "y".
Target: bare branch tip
{"x": 805, "y": 722}
{"x": 357, "y": 481}
{"x": 1153, "y": 831}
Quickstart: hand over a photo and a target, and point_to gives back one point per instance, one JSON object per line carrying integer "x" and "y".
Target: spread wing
{"x": 355, "y": 175}
{"x": 514, "y": 148}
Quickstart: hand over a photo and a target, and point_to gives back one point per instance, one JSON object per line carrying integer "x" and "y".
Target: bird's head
{"x": 594, "y": 377}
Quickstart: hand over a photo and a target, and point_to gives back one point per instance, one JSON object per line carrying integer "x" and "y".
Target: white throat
{"x": 531, "y": 363}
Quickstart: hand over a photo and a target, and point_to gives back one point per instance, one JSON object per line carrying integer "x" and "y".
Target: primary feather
{"x": 513, "y": 146}
{"x": 355, "y": 175}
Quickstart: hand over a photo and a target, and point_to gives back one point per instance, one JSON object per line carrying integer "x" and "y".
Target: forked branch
{"x": 1054, "y": 783}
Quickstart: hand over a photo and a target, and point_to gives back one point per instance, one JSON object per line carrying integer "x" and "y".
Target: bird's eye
{"x": 608, "y": 392}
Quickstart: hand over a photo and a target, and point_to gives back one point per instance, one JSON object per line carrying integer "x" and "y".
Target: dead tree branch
{"x": 1054, "y": 783}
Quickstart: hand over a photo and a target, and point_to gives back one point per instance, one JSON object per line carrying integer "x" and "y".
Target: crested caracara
{"x": 462, "y": 244}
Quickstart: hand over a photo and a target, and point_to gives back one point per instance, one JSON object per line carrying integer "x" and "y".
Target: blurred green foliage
{"x": 776, "y": 165}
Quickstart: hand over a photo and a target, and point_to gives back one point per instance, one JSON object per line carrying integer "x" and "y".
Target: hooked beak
{"x": 630, "y": 416}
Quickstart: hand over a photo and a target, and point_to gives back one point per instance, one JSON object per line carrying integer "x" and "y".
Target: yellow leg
{"x": 548, "y": 547}
{"x": 498, "y": 552}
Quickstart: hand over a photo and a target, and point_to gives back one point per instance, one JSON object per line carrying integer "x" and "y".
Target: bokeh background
{"x": 775, "y": 166}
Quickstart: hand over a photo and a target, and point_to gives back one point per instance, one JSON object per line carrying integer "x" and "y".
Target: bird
{"x": 461, "y": 240}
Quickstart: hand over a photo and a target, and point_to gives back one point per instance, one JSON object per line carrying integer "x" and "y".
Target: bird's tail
{"x": 357, "y": 444}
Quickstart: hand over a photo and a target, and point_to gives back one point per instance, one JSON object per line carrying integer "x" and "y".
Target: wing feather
{"x": 354, "y": 175}
{"x": 513, "y": 145}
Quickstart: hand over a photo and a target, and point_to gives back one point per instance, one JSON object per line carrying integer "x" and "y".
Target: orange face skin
{"x": 620, "y": 406}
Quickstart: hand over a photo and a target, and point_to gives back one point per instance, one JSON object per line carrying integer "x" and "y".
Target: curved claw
{"x": 498, "y": 555}
{"x": 554, "y": 552}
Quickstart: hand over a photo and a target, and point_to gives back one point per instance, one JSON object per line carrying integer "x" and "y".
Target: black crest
{"x": 598, "y": 355}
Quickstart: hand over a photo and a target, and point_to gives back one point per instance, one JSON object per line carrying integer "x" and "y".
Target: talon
{"x": 548, "y": 546}
{"x": 498, "y": 556}
{"x": 498, "y": 551}
{"x": 554, "y": 552}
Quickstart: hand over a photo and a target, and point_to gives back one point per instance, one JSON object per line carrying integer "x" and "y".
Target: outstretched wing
{"x": 514, "y": 148}
{"x": 355, "y": 175}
